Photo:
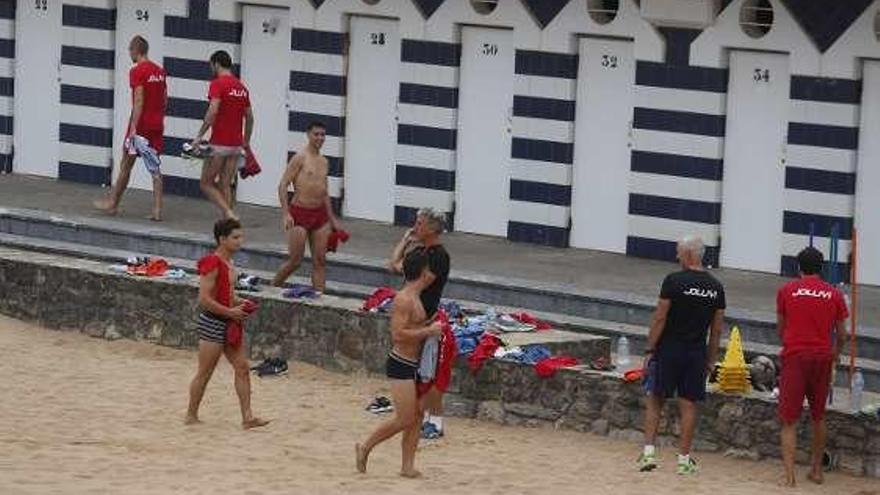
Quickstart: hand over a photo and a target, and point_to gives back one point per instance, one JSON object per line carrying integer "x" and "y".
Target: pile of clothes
{"x": 145, "y": 266}
{"x": 379, "y": 301}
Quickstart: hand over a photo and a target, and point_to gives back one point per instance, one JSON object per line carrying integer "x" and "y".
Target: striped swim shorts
{"x": 211, "y": 328}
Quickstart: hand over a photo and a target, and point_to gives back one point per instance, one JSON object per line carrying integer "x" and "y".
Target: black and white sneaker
{"x": 271, "y": 367}
{"x": 380, "y": 405}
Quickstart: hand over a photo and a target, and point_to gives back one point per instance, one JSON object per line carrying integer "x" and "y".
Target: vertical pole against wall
{"x": 854, "y": 303}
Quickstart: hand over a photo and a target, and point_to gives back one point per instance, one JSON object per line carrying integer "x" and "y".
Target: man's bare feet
{"x": 787, "y": 481}
{"x": 817, "y": 478}
{"x": 411, "y": 473}
{"x": 230, "y": 215}
{"x": 192, "y": 420}
{"x": 360, "y": 458}
{"x": 105, "y": 206}
{"x": 155, "y": 217}
{"x": 254, "y": 423}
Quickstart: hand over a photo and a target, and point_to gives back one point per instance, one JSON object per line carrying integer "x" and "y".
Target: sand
{"x": 85, "y": 416}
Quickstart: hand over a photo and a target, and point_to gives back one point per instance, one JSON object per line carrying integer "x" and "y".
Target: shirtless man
{"x": 309, "y": 215}
{"x": 408, "y": 333}
{"x": 219, "y": 307}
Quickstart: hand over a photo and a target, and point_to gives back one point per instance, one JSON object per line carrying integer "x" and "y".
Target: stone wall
{"x": 81, "y": 295}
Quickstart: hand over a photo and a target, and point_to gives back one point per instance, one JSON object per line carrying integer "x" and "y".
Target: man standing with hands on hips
{"x": 677, "y": 357}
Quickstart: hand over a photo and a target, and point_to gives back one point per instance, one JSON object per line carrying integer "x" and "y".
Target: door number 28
{"x": 761, "y": 75}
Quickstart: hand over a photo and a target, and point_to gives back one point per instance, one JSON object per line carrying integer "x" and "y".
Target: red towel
{"x": 337, "y": 237}
{"x": 445, "y": 359}
{"x": 251, "y": 166}
{"x": 547, "y": 367}
{"x": 154, "y": 267}
{"x": 222, "y": 293}
{"x": 529, "y": 319}
{"x": 485, "y": 350}
{"x": 378, "y": 296}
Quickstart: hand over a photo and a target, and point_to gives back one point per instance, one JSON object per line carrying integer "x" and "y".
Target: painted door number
{"x": 761, "y": 75}
{"x": 609, "y": 61}
{"x": 377, "y": 38}
{"x": 142, "y": 15}
{"x": 41, "y": 4}
{"x": 490, "y": 49}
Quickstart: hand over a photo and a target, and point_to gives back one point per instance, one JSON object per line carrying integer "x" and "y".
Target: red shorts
{"x": 154, "y": 137}
{"x": 309, "y": 218}
{"x": 804, "y": 374}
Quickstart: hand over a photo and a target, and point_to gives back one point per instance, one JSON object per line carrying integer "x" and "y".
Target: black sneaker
{"x": 273, "y": 367}
{"x": 380, "y": 405}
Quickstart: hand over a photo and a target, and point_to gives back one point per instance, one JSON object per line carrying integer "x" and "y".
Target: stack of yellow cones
{"x": 733, "y": 377}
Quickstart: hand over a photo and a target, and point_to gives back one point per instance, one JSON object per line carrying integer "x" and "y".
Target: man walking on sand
{"x": 809, "y": 311}
{"x": 409, "y": 331}
{"x": 221, "y": 324}
{"x": 308, "y": 216}
{"x": 677, "y": 358}
{"x": 425, "y": 235}
{"x": 229, "y": 108}
{"x": 149, "y": 96}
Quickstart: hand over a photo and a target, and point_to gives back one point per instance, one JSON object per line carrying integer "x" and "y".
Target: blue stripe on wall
{"x": 678, "y": 44}
{"x": 186, "y": 108}
{"x": 431, "y": 96}
{"x": 7, "y": 48}
{"x": 827, "y": 181}
{"x": 199, "y": 8}
{"x": 544, "y": 235}
{"x": 203, "y": 29}
{"x": 539, "y": 150}
{"x": 657, "y": 249}
{"x": 94, "y": 58}
{"x": 547, "y": 64}
{"x": 7, "y": 86}
{"x": 826, "y": 89}
{"x": 322, "y": 84}
{"x": 825, "y": 136}
{"x": 181, "y": 186}
{"x": 404, "y": 215}
{"x": 681, "y": 77}
{"x": 677, "y": 165}
{"x": 543, "y": 108}
{"x": 83, "y": 134}
{"x": 790, "y": 268}
{"x": 88, "y": 17}
{"x": 428, "y": 137}
{"x": 86, "y": 174}
{"x": 540, "y": 192}
{"x": 185, "y": 68}
{"x": 6, "y": 124}
{"x": 299, "y": 121}
{"x": 794, "y": 222}
{"x": 681, "y": 122}
{"x": 675, "y": 208}
{"x": 430, "y": 52}
{"x": 87, "y": 97}
{"x": 308, "y": 40}
{"x": 7, "y": 10}
{"x": 427, "y": 178}
{"x": 174, "y": 145}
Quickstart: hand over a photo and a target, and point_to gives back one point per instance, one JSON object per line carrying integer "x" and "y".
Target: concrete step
{"x": 568, "y": 329}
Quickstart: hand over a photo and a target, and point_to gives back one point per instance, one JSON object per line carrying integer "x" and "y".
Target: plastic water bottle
{"x": 623, "y": 358}
{"x": 858, "y": 386}
{"x": 491, "y": 315}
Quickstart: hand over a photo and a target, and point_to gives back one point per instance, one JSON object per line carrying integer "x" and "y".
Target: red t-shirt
{"x": 152, "y": 77}
{"x": 234, "y": 100}
{"x": 810, "y": 307}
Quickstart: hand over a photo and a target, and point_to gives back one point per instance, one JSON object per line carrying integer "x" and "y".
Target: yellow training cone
{"x": 733, "y": 377}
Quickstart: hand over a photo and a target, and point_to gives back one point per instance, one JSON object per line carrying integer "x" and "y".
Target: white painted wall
{"x": 867, "y": 217}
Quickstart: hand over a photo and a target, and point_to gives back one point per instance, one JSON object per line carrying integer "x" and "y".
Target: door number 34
{"x": 761, "y": 75}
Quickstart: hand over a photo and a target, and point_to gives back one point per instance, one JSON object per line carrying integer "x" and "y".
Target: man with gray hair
{"x": 425, "y": 236}
{"x": 677, "y": 357}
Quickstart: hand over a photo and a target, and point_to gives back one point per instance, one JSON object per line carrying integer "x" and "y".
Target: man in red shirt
{"x": 809, "y": 311}
{"x": 229, "y": 110}
{"x": 148, "y": 98}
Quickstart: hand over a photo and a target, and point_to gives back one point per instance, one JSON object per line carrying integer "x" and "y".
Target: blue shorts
{"x": 677, "y": 371}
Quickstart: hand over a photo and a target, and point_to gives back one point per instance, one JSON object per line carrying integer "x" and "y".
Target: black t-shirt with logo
{"x": 694, "y": 297}
{"x": 438, "y": 263}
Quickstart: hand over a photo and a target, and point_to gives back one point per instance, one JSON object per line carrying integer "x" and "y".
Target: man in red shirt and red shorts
{"x": 228, "y": 111}
{"x": 149, "y": 96}
{"x": 809, "y": 311}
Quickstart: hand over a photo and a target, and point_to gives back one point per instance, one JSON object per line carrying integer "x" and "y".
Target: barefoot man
{"x": 309, "y": 215}
{"x": 809, "y": 311}
{"x": 229, "y": 108}
{"x": 220, "y": 324}
{"x": 148, "y": 98}
{"x": 408, "y": 333}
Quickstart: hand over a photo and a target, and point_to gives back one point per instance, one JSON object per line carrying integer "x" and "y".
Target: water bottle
{"x": 623, "y": 359}
{"x": 491, "y": 315}
{"x": 858, "y": 386}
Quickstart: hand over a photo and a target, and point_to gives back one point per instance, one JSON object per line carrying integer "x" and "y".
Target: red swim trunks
{"x": 309, "y": 218}
{"x": 804, "y": 374}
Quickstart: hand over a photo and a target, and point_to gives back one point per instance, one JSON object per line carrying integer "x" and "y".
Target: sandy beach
{"x": 80, "y": 415}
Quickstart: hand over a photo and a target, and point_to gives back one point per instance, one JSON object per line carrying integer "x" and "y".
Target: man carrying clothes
{"x": 221, "y": 324}
{"x": 425, "y": 236}
{"x": 677, "y": 358}
{"x": 309, "y": 215}
{"x": 149, "y": 96}
{"x": 229, "y": 109}
{"x": 809, "y": 311}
